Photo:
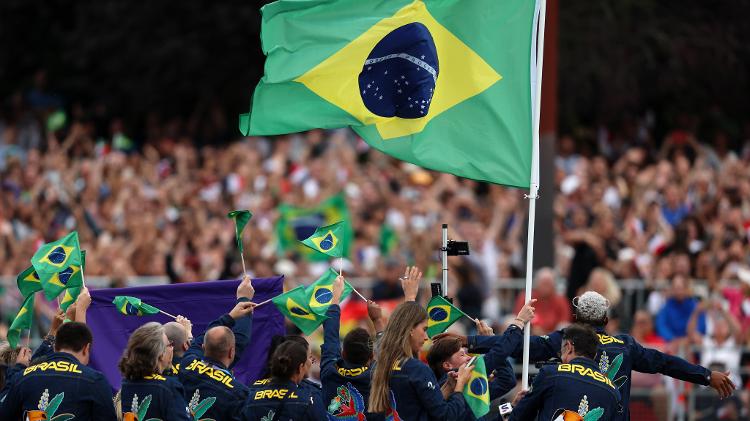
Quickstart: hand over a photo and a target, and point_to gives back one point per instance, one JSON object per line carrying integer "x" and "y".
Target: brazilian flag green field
{"x": 444, "y": 84}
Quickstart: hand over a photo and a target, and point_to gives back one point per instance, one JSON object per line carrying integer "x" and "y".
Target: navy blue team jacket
{"x": 282, "y": 400}
{"x": 417, "y": 397}
{"x": 204, "y": 378}
{"x": 346, "y": 386}
{"x": 154, "y": 397}
{"x": 621, "y": 354}
{"x": 59, "y": 385}
{"x": 578, "y": 387}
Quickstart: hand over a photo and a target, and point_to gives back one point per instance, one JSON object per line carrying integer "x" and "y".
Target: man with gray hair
{"x": 618, "y": 355}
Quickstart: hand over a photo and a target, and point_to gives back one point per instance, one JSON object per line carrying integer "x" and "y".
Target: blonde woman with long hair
{"x": 402, "y": 385}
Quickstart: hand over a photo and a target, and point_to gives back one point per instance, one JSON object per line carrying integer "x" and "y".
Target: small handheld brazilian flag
{"x": 55, "y": 283}
{"x": 74, "y": 287}
{"x": 70, "y": 296}
{"x": 320, "y": 293}
{"x": 477, "y": 392}
{"x": 58, "y": 255}
{"x": 58, "y": 265}
{"x": 132, "y": 306}
{"x": 22, "y": 321}
{"x": 293, "y": 305}
{"x": 327, "y": 240}
{"x": 28, "y": 282}
{"x": 241, "y": 218}
{"x": 440, "y": 315}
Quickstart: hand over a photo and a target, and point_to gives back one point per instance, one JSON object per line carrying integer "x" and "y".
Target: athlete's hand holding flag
{"x": 244, "y": 290}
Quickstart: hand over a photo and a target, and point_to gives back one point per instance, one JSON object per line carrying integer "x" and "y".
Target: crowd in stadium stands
{"x": 667, "y": 211}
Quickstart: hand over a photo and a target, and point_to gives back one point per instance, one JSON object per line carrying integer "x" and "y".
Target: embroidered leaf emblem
{"x": 143, "y": 407}
{"x": 593, "y": 415}
{"x": 202, "y": 407}
{"x": 54, "y": 404}
{"x": 615, "y": 367}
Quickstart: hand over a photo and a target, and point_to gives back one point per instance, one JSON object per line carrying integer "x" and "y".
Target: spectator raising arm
{"x": 410, "y": 283}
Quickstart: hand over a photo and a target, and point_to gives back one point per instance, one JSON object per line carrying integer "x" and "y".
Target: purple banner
{"x": 200, "y": 302}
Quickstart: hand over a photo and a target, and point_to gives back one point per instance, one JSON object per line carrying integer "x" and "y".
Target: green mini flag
{"x": 131, "y": 306}
{"x": 22, "y": 321}
{"x": 57, "y": 256}
{"x": 296, "y": 224}
{"x": 293, "y": 305}
{"x": 241, "y": 218}
{"x": 28, "y": 282}
{"x": 55, "y": 283}
{"x": 445, "y": 85}
{"x": 327, "y": 240}
{"x": 388, "y": 240}
{"x": 476, "y": 391}
{"x": 70, "y": 296}
{"x": 320, "y": 293}
{"x": 72, "y": 277}
{"x": 440, "y": 315}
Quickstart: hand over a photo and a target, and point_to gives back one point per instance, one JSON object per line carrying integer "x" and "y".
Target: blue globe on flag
{"x": 478, "y": 386}
{"x": 326, "y": 243}
{"x": 65, "y": 275}
{"x": 399, "y": 76}
{"x": 57, "y": 255}
{"x": 438, "y": 314}
{"x": 323, "y": 295}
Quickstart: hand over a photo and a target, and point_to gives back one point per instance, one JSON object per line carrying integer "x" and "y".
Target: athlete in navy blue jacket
{"x": 620, "y": 354}
{"x": 403, "y": 387}
{"x": 210, "y": 388}
{"x": 281, "y": 398}
{"x": 180, "y": 334}
{"x": 62, "y": 384}
{"x": 575, "y": 387}
{"x": 145, "y": 393}
{"x": 346, "y": 376}
{"x": 448, "y": 353}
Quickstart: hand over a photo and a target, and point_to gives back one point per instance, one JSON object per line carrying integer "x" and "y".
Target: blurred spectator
{"x": 602, "y": 281}
{"x": 643, "y": 333}
{"x": 672, "y": 320}
{"x": 553, "y": 309}
{"x": 151, "y": 198}
{"x": 720, "y": 345}
{"x": 388, "y": 286}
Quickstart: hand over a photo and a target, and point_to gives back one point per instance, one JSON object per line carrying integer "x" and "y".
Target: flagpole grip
{"x": 263, "y": 302}
{"x": 360, "y": 295}
{"x": 244, "y": 269}
{"x": 170, "y": 315}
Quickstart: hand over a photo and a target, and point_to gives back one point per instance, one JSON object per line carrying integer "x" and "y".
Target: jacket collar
{"x": 586, "y": 362}
{"x": 64, "y": 356}
{"x": 215, "y": 363}
{"x": 283, "y": 382}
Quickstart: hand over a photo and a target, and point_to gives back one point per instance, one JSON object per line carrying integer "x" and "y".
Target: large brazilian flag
{"x": 444, "y": 84}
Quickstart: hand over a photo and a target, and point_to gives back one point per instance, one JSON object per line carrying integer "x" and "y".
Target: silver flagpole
{"x": 534, "y": 184}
